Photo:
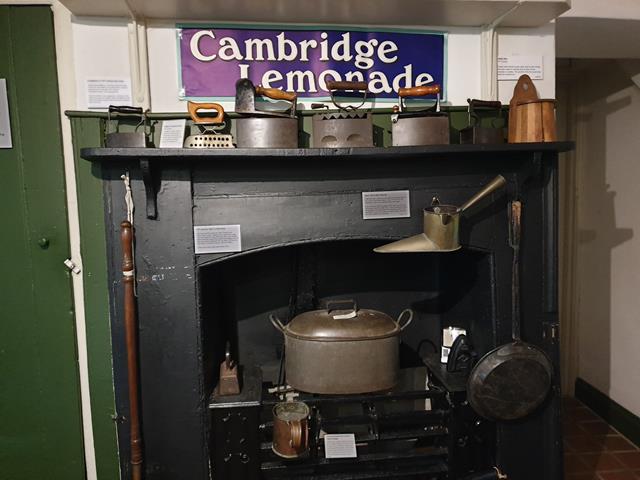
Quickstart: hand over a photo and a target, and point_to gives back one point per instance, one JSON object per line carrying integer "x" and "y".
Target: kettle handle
{"x": 409, "y": 318}
{"x": 275, "y": 321}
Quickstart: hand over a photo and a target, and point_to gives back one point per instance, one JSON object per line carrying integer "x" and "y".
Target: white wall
{"x": 101, "y": 49}
{"x": 608, "y": 250}
{"x": 529, "y": 41}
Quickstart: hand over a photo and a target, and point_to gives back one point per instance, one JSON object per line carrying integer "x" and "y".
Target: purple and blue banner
{"x": 213, "y": 58}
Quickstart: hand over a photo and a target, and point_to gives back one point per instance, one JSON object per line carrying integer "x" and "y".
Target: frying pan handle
{"x": 408, "y": 321}
{"x": 492, "y": 186}
{"x": 420, "y": 91}
{"x": 515, "y": 226}
{"x": 345, "y": 85}
{"x": 193, "y": 108}
{"x": 276, "y": 94}
{"x": 275, "y": 321}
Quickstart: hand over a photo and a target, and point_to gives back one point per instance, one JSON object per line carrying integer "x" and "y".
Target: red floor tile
{"x": 597, "y": 427}
{"x": 573, "y": 465}
{"x": 582, "y": 476}
{"x": 601, "y": 462}
{"x": 630, "y": 460}
{"x": 572, "y": 429}
{"x": 622, "y": 475}
{"x": 584, "y": 443}
{"x": 615, "y": 443}
{"x": 580, "y": 415}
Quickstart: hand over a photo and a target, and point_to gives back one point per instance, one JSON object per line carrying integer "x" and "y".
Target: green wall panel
{"x": 87, "y": 132}
{"x": 40, "y": 426}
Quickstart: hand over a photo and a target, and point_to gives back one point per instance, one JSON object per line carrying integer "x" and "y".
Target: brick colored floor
{"x": 593, "y": 450}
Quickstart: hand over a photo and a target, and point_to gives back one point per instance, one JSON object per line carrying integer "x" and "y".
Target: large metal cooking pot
{"x": 342, "y": 349}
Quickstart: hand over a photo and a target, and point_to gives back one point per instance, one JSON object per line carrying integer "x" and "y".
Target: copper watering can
{"x": 441, "y": 225}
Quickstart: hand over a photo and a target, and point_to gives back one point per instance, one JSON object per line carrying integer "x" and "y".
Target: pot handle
{"x": 409, "y": 318}
{"x": 275, "y": 321}
{"x": 344, "y": 305}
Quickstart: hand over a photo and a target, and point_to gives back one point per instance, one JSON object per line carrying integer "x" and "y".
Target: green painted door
{"x": 40, "y": 417}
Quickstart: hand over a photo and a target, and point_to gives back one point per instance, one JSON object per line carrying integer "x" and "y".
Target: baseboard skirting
{"x": 613, "y": 413}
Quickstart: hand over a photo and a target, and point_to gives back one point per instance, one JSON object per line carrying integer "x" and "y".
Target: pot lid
{"x": 342, "y": 321}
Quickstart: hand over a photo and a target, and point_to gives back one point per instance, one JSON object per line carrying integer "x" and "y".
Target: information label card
{"x": 393, "y": 204}
{"x": 340, "y": 445}
{"x": 510, "y": 67}
{"x": 217, "y": 238}
{"x": 172, "y": 133}
{"x": 102, "y": 92}
{"x": 5, "y": 122}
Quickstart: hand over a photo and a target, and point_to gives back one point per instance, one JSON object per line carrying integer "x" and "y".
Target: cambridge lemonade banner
{"x": 213, "y": 58}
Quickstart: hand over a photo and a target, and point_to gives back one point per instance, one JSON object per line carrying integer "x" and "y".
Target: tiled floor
{"x": 593, "y": 450}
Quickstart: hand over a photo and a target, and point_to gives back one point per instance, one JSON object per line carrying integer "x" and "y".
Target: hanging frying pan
{"x": 511, "y": 381}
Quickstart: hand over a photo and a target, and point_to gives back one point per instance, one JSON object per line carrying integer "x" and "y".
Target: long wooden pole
{"x": 130, "y": 324}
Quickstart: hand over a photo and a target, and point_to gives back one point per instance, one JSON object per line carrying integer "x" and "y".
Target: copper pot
{"x": 290, "y": 429}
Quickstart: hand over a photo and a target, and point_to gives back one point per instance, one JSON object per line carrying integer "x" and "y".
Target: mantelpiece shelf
{"x": 345, "y": 154}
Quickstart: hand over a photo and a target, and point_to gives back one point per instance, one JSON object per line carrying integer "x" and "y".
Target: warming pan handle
{"x": 492, "y": 186}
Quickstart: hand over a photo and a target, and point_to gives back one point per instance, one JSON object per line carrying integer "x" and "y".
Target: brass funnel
{"x": 440, "y": 226}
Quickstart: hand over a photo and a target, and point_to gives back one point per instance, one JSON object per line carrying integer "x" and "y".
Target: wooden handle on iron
{"x": 421, "y": 91}
{"x": 276, "y": 94}
{"x": 344, "y": 85}
{"x": 193, "y": 108}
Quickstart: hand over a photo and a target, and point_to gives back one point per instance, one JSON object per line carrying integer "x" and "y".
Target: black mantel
{"x": 292, "y": 197}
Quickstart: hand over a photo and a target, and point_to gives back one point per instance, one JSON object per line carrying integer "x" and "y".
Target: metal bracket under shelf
{"x": 149, "y": 189}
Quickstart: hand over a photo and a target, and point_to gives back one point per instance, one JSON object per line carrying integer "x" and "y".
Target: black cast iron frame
{"x": 203, "y": 187}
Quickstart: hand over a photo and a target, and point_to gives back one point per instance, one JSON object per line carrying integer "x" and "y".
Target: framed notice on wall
{"x": 5, "y": 120}
{"x": 212, "y": 58}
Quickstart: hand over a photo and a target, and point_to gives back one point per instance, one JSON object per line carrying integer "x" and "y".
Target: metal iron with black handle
{"x": 475, "y": 133}
{"x": 349, "y": 126}
{"x": 419, "y": 127}
{"x": 511, "y": 381}
{"x": 133, "y": 139}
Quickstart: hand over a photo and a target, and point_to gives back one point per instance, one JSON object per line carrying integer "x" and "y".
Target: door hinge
{"x": 72, "y": 266}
